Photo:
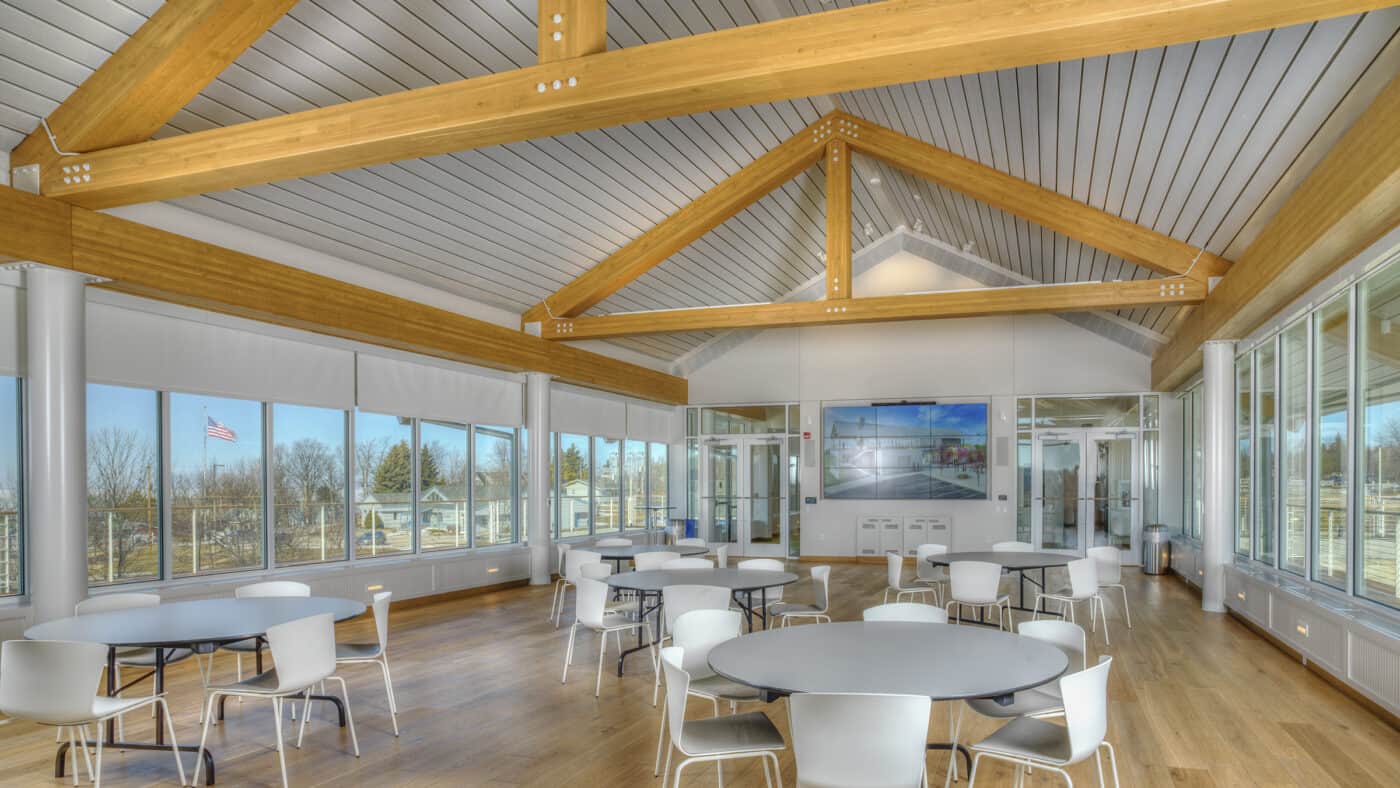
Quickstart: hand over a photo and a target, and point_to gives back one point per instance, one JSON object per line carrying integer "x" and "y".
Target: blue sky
{"x": 9, "y": 430}
{"x": 969, "y": 418}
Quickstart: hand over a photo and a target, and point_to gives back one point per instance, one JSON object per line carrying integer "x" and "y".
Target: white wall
{"x": 998, "y": 358}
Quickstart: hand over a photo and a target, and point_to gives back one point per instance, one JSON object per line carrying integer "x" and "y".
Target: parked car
{"x": 375, "y": 537}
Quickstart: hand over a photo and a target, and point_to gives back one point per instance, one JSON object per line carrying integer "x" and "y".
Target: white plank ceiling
{"x": 1199, "y": 141}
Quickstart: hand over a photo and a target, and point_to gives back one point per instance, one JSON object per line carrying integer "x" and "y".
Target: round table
{"x": 1013, "y": 561}
{"x": 746, "y": 582}
{"x": 940, "y": 661}
{"x": 202, "y": 625}
{"x": 627, "y": 552}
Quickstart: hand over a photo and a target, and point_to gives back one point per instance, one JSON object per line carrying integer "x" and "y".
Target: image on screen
{"x": 914, "y": 451}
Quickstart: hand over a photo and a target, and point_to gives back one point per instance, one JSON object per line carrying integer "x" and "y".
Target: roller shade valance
{"x": 585, "y": 412}
{"x": 11, "y": 326}
{"x": 650, "y": 422}
{"x": 426, "y": 390}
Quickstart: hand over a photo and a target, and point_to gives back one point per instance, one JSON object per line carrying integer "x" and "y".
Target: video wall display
{"x": 908, "y": 451}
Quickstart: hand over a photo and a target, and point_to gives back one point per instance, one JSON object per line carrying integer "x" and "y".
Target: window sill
{"x": 1372, "y": 615}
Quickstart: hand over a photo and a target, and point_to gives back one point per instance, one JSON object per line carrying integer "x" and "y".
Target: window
{"x": 522, "y": 471}
{"x": 744, "y": 420}
{"x": 124, "y": 481}
{"x": 11, "y": 528}
{"x": 634, "y": 476}
{"x": 383, "y": 484}
{"x": 216, "y": 467}
{"x": 794, "y": 493}
{"x": 607, "y": 485}
{"x": 1024, "y": 444}
{"x": 1151, "y": 459}
{"x": 1051, "y": 412}
{"x": 493, "y": 461}
{"x": 1193, "y": 510}
{"x": 1293, "y": 449}
{"x": 575, "y": 474}
{"x": 1266, "y": 455}
{"x": 443, "y": 500}
{"x": 1244, "y": 386}
{"x": 308, "y": 484}
{"x": 1331, "y": 441}
{"x": 658, "y": 468}
{"x": 1377, "y": 563}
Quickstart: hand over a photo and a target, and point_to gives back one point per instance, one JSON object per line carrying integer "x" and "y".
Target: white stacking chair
{"x": 597, "y": 570}
{"x": 1110, "y": 567}
{"x": 573, "y": 560}
{"x": 678, "y": 600}
{"x": 304, "y": 651}
{"x": 821, "y": 601}
{"x": 53, "y": 682}
{"x": 894, "y": 572}
{"x": 646, "y": 562}
{"x": 376, "y": 653}
{"x": 773, "y": 595}
{"x": 613, "y": 541}
{"x": 1031, "y": 743}
{"x": 561, "y": 549}
{"x": 722, "y": 556}
{"x": 1043, "y": 701}
{"x": 135, "y": 657}
{"x": 977, "y": 584}
{"x": 1013, "y": 547}
{"x": 719, "y": 739}
{"x": 850, "y": 739}
{"x": 689, "y": 563}
{"x": 932, "y": 576}
{"x": 271, "y": 588}
{"x": 691, "y": 541}
{"x": 592, "y": 613}
{"x": 1083, "y": 587}
{"x": 910, "y": 612}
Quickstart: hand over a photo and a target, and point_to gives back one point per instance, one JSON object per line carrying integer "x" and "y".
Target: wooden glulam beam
{"x": 1074, "y": 297}
{"x": 678, "y": 230}
{"x": 173, "y": 56}
{"x": 160, "y": 265}
{"x": 881, "y": 43}
{"x": 838, "y": 220}
{"x": 1348, "y": 202}
{"x": 572, "y": 28}
{"x": 1050, "y": 209}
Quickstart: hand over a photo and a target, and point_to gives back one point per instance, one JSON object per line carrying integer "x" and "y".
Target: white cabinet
{"x": 927, "y": 529}
{"x": 868, "y": 535}
{"x": 891, "y": 534}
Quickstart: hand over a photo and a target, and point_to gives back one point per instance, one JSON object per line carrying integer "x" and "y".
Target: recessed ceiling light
{"x": 875, "y": 181}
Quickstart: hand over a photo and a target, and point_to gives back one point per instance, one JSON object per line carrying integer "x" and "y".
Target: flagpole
{"x": 204, "y": 471}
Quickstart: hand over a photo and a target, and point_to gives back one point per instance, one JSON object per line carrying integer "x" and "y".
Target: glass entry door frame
{"x": 1080, "y": 496}
{"x": 1057, "y": 491}
{"x": 744, "y": 491}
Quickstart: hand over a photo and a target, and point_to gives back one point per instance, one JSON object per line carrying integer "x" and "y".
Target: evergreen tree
{"x": 572, "y": 465}
{"x": 428, "y": 473}
{"x": 395, "y": 471}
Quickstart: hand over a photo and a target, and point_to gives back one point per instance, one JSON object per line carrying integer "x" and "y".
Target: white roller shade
{"x": 585, "y": 412}
{"x": 134, "y": 348}
{"x": 430, "y": 391}
{"x": 649, "y": 422}
{"x": 11, "y": 328}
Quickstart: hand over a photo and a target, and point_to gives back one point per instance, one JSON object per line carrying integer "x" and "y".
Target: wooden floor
{"x": 1196, "y": 700}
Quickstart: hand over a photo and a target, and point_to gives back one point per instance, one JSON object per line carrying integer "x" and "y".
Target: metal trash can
{"x": 1156, "y": 550}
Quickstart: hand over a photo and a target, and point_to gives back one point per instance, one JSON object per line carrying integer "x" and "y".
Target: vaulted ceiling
{"x": 1198, "y": 141}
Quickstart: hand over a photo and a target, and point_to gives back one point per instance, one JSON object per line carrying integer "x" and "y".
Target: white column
{"x": 1218, "y": 400}
{"x": 56, "y": 417}
{"x": 537, "y": 527}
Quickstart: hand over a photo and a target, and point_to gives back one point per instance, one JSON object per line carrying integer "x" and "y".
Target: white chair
{"x": 722, "y": 556}
{"x": 771, "y": 596}
{"x": 601, "y": 572}
{"x": 592, "y": 613}
{"x": 976, "y": 584}
{"x": 848, "y": 739}
{"x": 894, "y": 572}
{"x": 137, "y": 657}
{"x": 646, "y": 562}
{"x": 1028, "y": 742}
{"x": 911, "y": 612}
{"x": 821, "y": 601}
{"x": 614, "y": 541}
{"x": 678, "y": 600}
{"x": 304, "y": 652}
{"x": 271, "y": 588}
{"x": 1110, "y": 566}
{"x": 932, "y": 576}
{"x": 691, "y": 541}
{"x": 689, "y": 563}
{"x": 1013, "y": 547}
{"x": 52, "y": 682}
{"x": 1083, "y": 587}
{"x": 1043, "y": 701}
{"x": 573, "y": 560}
{"x": 376, "y": 653}
{"x": 719, "y": 739}
{"x": 561, "y": 549}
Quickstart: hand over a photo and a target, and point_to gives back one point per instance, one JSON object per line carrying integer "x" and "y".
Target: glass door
{"x": 1112, "y": 500}
{"x": 720, "y": 501}
{"x": 1057, "y": 490}
{"x": 766, "y": 487}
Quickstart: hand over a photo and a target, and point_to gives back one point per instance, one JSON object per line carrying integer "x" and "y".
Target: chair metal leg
{"x": 389, "y": 692}
{"x": 203, "y": 735}
{"x": 569, "y": 654}
{"x": 277, "y": 725}
{"x": 660, "y": 738}
{"x": 602, "y": 651}
{"x": 349, "y": 715}
{"x": 976, "y": 761}
{"x": 174, "y": 745}
{"x": 953, "y": 751}
{"x": 97, "y": 772}
{"x": 1128, "y": 617}
{"x": 305, "y": 715}
{"x": 1112, "y": 761}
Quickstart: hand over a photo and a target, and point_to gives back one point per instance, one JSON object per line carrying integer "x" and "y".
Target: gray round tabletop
{"x": 654, "y": 580}
{"x": 940, "y": 661}
{"x": 631, "y": 551}
{"x": 1012, "y": 560}
{"x": 195, "y": 622}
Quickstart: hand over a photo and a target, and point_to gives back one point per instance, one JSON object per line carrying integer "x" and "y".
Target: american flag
{"x": 216, "y": 430}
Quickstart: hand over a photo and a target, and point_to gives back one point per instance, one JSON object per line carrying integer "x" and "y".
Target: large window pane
{"x": 1378, "y": 561}
{"x": 1073, "y": 412}
{"x": 216, "y": 450}
{"x": 554, "y": 483}
{"x": 607, "y": 485}
{"x": 124, "y": 480}
{"x": 634, "y": 473}
{"x": 1266, "y": 456}
{"x": 11, "y": 530}
{"x": 1244, "y": 459}
{"x": 743, "y": 419}
{"x": 575, "y": 474}
{"x": 1024, "y": 447}
{"x": 308, "y": 484}
{"x": 658, "y": 470}
{"x": 491, "y": 485}
{"x": 1293, "y": 457}
{"x": 1331, "y": 440}
{"x": 383, "y": 484}
{"x": 1197, "y": 465}
{"x": 442, "y": 485}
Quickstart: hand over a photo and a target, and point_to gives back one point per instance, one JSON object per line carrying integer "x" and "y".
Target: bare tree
{"x": 307, "y": 477}
{"x": 121, "y": 464}
{"x": 369, "y": 452}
